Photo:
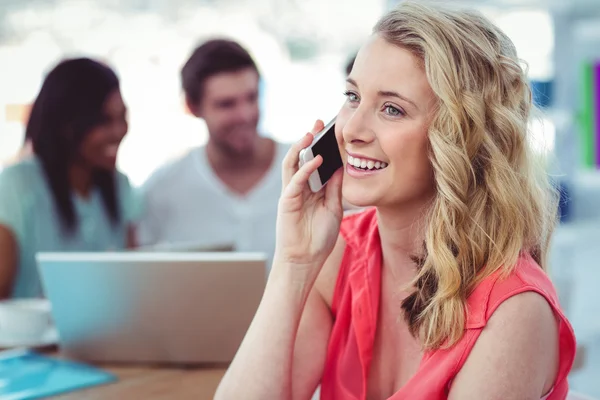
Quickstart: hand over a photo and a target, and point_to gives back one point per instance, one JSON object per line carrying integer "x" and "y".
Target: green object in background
{"x": 588, "y": 142}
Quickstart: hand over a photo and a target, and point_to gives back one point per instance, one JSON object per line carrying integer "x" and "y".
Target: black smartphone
{"x": 326, "y": 145}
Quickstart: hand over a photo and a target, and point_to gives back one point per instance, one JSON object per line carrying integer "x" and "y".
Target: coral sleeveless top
{"x": 355, "y": 310}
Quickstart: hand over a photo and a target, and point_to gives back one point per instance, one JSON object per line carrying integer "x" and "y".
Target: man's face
{"x": 229, "y": 106}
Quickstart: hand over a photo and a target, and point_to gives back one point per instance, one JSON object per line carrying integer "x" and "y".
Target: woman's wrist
{"x": 296, "y": 278}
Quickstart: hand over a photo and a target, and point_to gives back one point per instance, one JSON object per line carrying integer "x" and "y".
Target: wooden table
{"x": 151, "y": 382}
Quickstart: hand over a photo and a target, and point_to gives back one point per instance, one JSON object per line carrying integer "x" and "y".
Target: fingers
{"x": 299, "y": 181}
{"x": 333, "y": 192}
{"x": 317, "y": 127}
{"x": 290, "y": 162}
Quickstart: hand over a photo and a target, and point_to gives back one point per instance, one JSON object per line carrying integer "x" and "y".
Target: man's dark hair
{"x": 211, "y": 58}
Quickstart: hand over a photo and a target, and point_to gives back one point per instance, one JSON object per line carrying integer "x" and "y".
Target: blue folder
{"x": 25, "y": 374}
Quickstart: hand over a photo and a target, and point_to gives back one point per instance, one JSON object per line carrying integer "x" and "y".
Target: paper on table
{"x": 25, "y": 374}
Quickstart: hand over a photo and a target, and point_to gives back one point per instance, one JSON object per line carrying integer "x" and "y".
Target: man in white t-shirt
{"x": 226, "y": 192}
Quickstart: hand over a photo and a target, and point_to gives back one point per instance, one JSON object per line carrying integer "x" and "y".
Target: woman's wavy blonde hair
{"x": 494, "y": 200}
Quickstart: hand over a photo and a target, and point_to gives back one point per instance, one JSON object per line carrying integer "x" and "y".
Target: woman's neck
{"x": 402, "y": 236}
{"x": 80, "y": 180}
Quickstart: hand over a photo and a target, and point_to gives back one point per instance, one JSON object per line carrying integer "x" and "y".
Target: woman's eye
{"x": 351, "y": 96}
{"x": 393, "y": 111}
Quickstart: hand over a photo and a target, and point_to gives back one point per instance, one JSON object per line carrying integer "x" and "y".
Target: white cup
{"x": 24, "y": 319}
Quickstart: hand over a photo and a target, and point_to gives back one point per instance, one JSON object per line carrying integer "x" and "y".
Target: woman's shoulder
{"x": 21, "y": 176}
{"x": 524, "y": 342}
{"x": 522, "y": 319}
{"x": 130, "y": 197}
{"x": 122, "y": 180}
{"x": 494, "y": 290}
{"x": 20, "y": 183}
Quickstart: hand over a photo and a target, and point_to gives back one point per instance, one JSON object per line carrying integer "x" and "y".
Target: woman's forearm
{"x": 262, "y": 367}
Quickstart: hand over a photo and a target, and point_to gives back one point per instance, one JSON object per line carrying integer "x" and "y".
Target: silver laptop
{"x": 183, "y": 247}
{"x": 152, "y": 307}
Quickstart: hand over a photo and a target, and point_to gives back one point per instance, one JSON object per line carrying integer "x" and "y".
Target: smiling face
{"x": 99, "y": 148}
{"x": 382, "y": 128}
{"x": 229, "y": 106}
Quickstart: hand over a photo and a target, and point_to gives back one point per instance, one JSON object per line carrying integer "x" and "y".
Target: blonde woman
{"x": 438, "y": 290}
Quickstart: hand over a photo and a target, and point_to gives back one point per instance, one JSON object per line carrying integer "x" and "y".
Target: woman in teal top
{"x": 68, "y": 196}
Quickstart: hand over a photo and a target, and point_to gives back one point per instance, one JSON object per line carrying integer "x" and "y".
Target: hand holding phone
{"x": 325, "y": 145}
{"x": 308, "y": 221}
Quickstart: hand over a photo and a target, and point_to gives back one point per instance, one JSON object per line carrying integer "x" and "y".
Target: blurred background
{"x": 302, "y": 48}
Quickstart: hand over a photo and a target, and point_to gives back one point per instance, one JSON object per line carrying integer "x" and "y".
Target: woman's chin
{"x": 358, "y": 198}
{"x": 105, "y": 164}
